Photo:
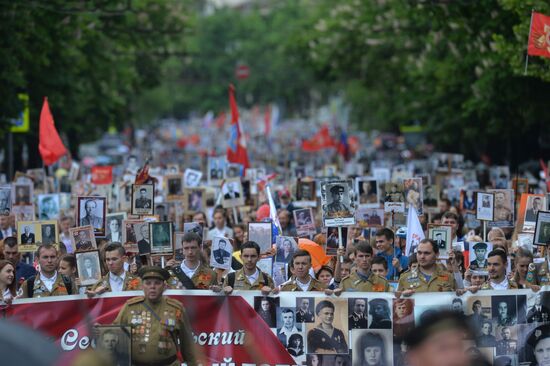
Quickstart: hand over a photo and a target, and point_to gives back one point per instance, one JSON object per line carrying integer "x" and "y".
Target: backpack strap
{"x": 231, "y": 279}
{"x": 68, "y": 284}
{"x": 30, "y": 287}
{"x": 183, "y": 278}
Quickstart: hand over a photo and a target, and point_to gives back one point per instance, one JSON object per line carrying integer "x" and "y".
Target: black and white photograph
{"x": 328, "y": 334}
{"x": 412, "y": 190}
{"x": 287, "y": 325}
{"x": 91, "y": 211}
{"x": 286, "y": 246}
{"x": 233, "y": 170}
{"x": 192, "y": 178}
{"x": 115, "y": 341}
{"x": 430, "y": 197}
{"x": 538, "y": 307}
{"x": 394, "y": 198}
{"x": 82, "y": 238}
{"x": 441, "y": 234}
{"x": 161, "y": 237}
{"x": 195, "y": 199}
{"x": 88, "y": 267}
{"x": 542, "y": 228}
{"x": 485, "y": 206}
{"x": 23, "y": 213}
{"x": 367, "y": 191}
{"x": 48, "y": 232}
{"x": 5, "y": 200}
{"x": 358, "y": 316}
{"x": 503, "y": 310}
{"x": 337, "y": 203}
{"x": 216, "y": 169}
{"x": 221, "y": 252}
{"x": 232, "y": 193}
{"x": 135, "y": 233}
{"x": 303, "y": 219}
{"x": 22, "y": 194}
{"x": 27, "y": 235}
{"x": 536, "y": 341}
{"x": 172, "y": 169}
{"x": 305, "y": 193}
{"x": 504, "y": 208}
{"x": 174, "y": 187}
{"x": 261, "y": 233}
{"x": 143, "y": 198}
{"x": 534, "y": 204}
{"x": 279, "y": 273}
{"x": 379, "y": 314}
{"x": 305, "y": 309}
{"x": 266, "y": 307}
{"x": 478, "y": 257}
{"x": 48, "y": 206}
{"x": 370, "y": 217}
{"x": 113, "y": 229}
{"x": 372, "y": 347}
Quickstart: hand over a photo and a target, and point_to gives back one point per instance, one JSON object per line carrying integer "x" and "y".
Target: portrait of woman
{"x": 537, "y": 349}
{"x": 314, "y": 360}
{"x": 403, "y": 317}
{"x": 296, "y": 345}
{"x": 371, "y": 350}
{"x": 285, "y": 249}
{"x": 325, "y": 338}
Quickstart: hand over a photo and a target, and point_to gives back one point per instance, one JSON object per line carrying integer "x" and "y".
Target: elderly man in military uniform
{"x": 161, "y": 333}
{"x": 250, "y": 277}
{"x": 142, "y": 201}
{"x": 363, "y": 279}
{"x": 90, "y": 218}
{"x": 539, "y": 312}
{"x": 507, "y": 345}
{"x": 301, "y": 280}
{"x": 336, "y": 206}
{"x": 480, "y": 249}
{"x": 429, "y": 277}
{"x": 502, "y": 211}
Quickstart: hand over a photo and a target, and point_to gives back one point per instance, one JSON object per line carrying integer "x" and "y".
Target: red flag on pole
{"x": 539, "y": 36}
{"x": 50, "y": 146}
{"x": 236, "y": 151}
{"x": 321, "y": 140}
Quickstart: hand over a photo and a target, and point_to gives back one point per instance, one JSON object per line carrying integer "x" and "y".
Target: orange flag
{"x": 539, "y": 36}
{"x": 50, "y": 146}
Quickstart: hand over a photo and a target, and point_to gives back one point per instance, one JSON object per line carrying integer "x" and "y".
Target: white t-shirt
{"x": 254, "y": 277}
{"x": 303, "y": 286}
{"x": 500, "y": 286}
{"x": 116, "y": 282}
{"x": 48, "y": 282}
{"x": 189, "y": 272}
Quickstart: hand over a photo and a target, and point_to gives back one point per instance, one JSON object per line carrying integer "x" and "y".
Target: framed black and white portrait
{"x": 542, "y": 228}
{"x": 22, "y": 194}
{"x": 286, "y": 246}
{"x": 192, "y": 178}
{"x": 174, "y": 187}
{"x": 305, "y": 193}
{"x": 27, "y": 235}
{"x": 113, "y": 229}
{"x": 221, "y": 252}
{"x": 303, "y": 219}
{"x": 82, "y": 238}
{"x": 91, "y": 211}
{"x": 135, "y": 234}
{"x": 115, "y": 341}
{"x": 161, "y": 237}
{"x": 143, "y": 198}
{"x": 337, "y": 203}
{"x": 48, "y": 232}
{"x": 195, "y": 200}
{"x": 232, "y": 193}
{"x": 485, "y": 206}
{"x": 5, "y": 200}
{"x": 194, "y": 227}
{"x": 48, "y": 206}
{"x": 367, "y": 192}
{"x": 441, "y": 234}
{"x": 216, "y": 170}
{"x": 88, "y": 267}
{"x": 261, "y": 233}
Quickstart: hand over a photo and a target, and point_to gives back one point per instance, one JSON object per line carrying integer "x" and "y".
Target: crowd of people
{"x": 370, "y": 255}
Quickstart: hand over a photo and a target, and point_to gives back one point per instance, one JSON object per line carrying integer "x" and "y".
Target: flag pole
{"x": 527, "y": 53}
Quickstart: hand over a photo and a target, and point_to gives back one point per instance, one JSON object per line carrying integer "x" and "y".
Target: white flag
{"x": 414, "y": 231}
{"x": 273, "y": 210}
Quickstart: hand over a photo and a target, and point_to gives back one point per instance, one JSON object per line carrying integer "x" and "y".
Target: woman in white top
{"x": 7, "y": 282}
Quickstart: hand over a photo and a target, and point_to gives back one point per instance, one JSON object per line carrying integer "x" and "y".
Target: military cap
{"x": 375, "y": 302}
{"x": 539, "y": 334}
{"x": 480, "y": 246}
{"x": 337, "y": 189}
{"x": 154, "y": 272}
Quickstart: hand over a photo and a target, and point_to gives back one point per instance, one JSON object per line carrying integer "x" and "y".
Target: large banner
{"x": 250, "y": 329}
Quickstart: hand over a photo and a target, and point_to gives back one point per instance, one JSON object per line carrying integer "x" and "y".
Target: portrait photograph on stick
{"x": 337, "y": 203}
{"x": 83, "y": 238}
{"x": 485, "y": 206}
{"x": 143, "y": 197}
{"x": 542, "y": 229}
{"x": 88, "y": 267}
{"x": 91, "y": 211}
{"x": 221, "y": 252}
{"x": 161, "y": 237}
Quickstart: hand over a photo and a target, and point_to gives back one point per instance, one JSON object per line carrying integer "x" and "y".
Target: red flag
{"x": 102, "y": 174}
{"x": 50, "y": 146}
{"x": 539, "y": 36}
{"x": 236, "y": 151}
{"x": 321, "y": 140}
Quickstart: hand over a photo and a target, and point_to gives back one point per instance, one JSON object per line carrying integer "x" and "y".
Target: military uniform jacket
{"x": 153, "y": 338}
{"x": 40, "y": 290}
{"x": 242, "y": 283}
{"x": 512, "y": 285}
{"x": 291, "y": 285}
{"x": 320, "y": 342}
{"x": 440, "y": 281}
{"x": 203, "y": 278}
{"x": 131, "y": 283}
{"x": 373, "y": 283}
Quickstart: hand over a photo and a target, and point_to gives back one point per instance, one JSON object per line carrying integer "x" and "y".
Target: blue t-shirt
{"x": 403, "y": 261}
